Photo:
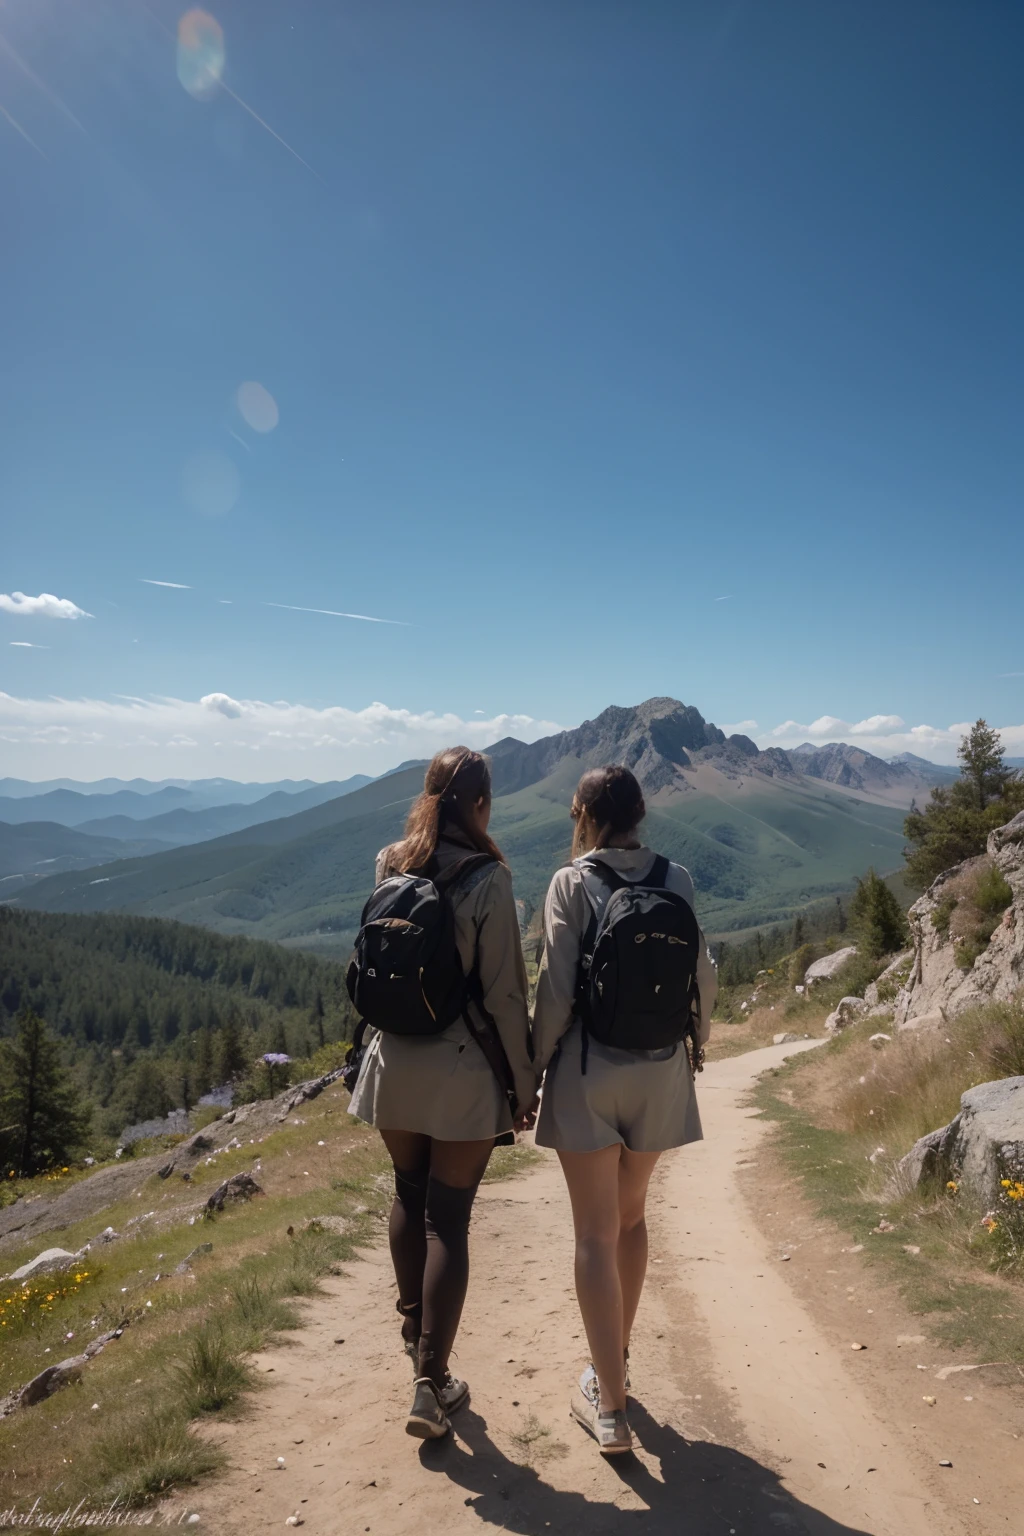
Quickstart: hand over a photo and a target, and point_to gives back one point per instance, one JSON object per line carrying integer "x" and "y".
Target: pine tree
{"x": 146, "y": 1096}
{"x": 798, "y": 933}
{"x": 316, "y": 1018}
{"x": 981, "y": 752}
{"x": 42, "y": 1121}
{"x": 204, "y": 1062}
{"x": 231, "y": 1057}
{"x": 182, "y": 1080}
{"x": 840, "y": 916}
{"x": 877, "y": 917}
{"x": 957, "y": 820}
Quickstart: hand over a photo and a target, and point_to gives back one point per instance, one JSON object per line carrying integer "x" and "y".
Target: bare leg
{"x": 593, "y": 1181}
{"x": 635, "y": 1169}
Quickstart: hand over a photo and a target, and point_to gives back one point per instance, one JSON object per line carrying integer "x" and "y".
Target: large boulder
{"x": 847, "y": 1011}
{"x": 825, "y": 968}
{"x": 44, "y": 1263}
{"x": 51, "y": 1380}
{"x": 241, "y": 1186}
{"x": 981, "y": 1145}
{"x": 937, "y": 984}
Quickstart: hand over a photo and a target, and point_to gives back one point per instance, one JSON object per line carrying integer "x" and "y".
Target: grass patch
{"x": 844, "y": 1116}
{"x": 510, "y": 1163}
{"x": 535, "y": 1444}
{"x": 213, "y": 1373}
{"x": 261, "y": 1313}
{"x": 139, "y": 1459}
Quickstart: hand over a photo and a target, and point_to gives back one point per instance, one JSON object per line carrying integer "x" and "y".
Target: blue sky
{"x": 616, "y": 350}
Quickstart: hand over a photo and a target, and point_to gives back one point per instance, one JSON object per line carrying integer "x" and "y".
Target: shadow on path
{"x": 704, "y": 1489}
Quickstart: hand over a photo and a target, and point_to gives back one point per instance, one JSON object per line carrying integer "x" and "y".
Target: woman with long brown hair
{"x": 436, "y": 1098}
{"x": 624, "y": 962}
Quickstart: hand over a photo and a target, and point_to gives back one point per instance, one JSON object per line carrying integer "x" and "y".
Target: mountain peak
{"x": 654, "y": 739}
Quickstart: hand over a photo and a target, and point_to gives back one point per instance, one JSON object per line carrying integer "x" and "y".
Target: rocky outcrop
{"x": 981, "y": 1145}
{"x": 241, "y": 1186}
{"x": 886, "y": 986}
{"x": 938, "y": 985}
{"x": 53, "y": 1377}
{"x": 825, "y": 968}
{"x": 846, "y": 1012}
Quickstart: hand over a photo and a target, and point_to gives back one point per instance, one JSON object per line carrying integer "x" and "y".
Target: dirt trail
{"x": 741, "y": 1394}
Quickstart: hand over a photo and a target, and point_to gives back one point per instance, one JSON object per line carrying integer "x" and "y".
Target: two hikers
{"x": 624, "y": 1000}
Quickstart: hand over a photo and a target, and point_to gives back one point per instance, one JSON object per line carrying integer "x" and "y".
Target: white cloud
{"x": 879, "y": 725}
{"x": 219, "y": 735}
{"x": 27, "y": 645}
{"x": 885, "y": 736}
{"x": 44, "y": 606}
{"x": 222, "y": 704}
{"x": 741, "y": 728}
{"x": 179, "y": 586}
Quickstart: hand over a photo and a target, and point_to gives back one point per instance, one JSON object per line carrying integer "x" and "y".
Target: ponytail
{"x": 456, "y": 780}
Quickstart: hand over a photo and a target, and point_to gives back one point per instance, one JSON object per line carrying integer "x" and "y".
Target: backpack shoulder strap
{"x": 447, "y": 880}
{"x": 658, "y": 877}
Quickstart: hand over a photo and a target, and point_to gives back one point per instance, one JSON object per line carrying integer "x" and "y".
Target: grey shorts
{"x": 645, "y": 1101}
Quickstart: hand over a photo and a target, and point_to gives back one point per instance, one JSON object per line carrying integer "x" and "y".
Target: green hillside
{"x": 760, "y": 839}
{"x": 146, "y": 1009}
{"x": 35, "y": 850}
{"x": 756, "y": 853}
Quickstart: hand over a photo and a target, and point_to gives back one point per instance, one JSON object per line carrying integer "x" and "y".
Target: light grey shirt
{"x": 567, "y": 912}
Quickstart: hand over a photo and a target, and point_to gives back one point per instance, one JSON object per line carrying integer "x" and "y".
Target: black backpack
{"x": 406, "y": 977}
{"x": 637, "y": 986}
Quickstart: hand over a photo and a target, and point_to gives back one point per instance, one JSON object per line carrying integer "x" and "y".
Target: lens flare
{"x": 257, "y": 406}
{"x": 210, "y": 483}
{"x": 200, "y": 53}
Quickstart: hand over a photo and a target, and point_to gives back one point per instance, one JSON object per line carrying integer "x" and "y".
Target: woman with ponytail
{"x": 610, "y": 1110}
{"x": 435, "y": 1098}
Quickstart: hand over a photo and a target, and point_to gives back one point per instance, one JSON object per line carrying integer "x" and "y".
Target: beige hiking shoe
{"x": 431, "y": 1405}
{"x": 611, "y": 1430}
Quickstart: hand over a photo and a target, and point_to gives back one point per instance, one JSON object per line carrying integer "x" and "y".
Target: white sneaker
{"x": 589, "y": 1384}
{"x": 611, "y": 1430}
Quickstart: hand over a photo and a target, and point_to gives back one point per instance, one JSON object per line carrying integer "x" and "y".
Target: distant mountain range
{"x": 898, "y": 781}
{"x": 66, "y": 828}
{"x": 206, "y": 791}
{"x": 764, "y": 832}
{"x": 74, "y": 807}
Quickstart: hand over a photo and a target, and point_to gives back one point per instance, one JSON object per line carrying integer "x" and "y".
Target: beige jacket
{"x": 487, "y": 927}
{"x": 566, "y": 915}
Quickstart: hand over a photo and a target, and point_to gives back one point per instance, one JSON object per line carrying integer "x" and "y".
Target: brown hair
{"x": 456, "y": 780}
{"x": 608, "y": 801}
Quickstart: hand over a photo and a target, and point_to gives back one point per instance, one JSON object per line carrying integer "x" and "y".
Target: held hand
{"x": 527, "y": 1118}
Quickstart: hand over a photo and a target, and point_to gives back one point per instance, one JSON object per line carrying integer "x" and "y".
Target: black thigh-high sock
{"x": 446, "y": 1275}
{"x": 408, "y": 1239}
